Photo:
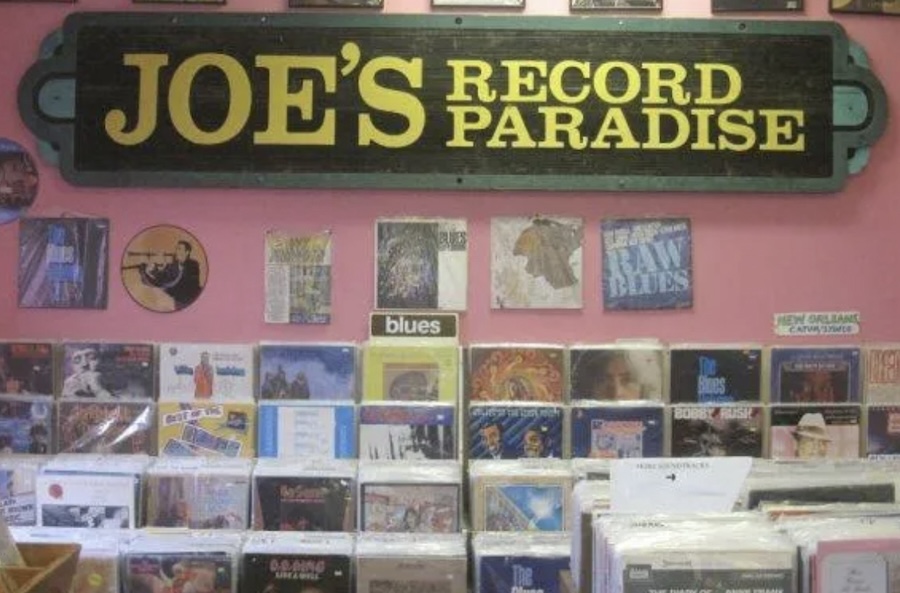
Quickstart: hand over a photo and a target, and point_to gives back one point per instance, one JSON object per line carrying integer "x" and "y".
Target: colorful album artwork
{"x": 647, "y": 264}
{"x": 509, "y": 373}
{"x": 18, "y": 181}
{"x": 883, "y": 432}
{"x": 293, "y": 430}
{"x": 882, "y": 376}
{"x": 198, "y": 501}
{"x": 407, "y": 432}
{"x": 717, "y": 431}
{"x": 410, "y": 508}
{"x": 206, "y": 371}
{"x": 715, "y": 375}
{"x": 178, "y": 572}
{"x": 410, "y": 373}
{"x": 107, "y": 370}
{"x": 205, "y": 429}
{"x": 296, "y": 573}
{"x": 536, "y": 263}
{"x": 884, "y": 7}
{"x": 655, "y": 5}
{"x": 298, "y": 278}
{"x": 815, "y": 375}
{"x": 421, "y": 264}
{"x": 307, "y": 371}
{"x": 616, "y": 374}
{"x": 504, "y": 573}
{"x": 617, "y": 432}
{"x": 26, "y": 368}
{"x": 524, "y": 507}
{"x": 309, "y": 503}
{"x": 63, "y": 263}
{"x": 17, "y": 493}
{"x": 515, "y": 432}
{"x": 811, "y": 432}
{"x": 26, "y": 425}
{"x": 106, "y": 427}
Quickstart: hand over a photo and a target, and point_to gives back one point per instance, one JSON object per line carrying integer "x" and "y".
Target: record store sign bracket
{"x": 437, "y": 101}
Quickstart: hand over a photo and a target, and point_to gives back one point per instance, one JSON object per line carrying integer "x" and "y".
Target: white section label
{"x": 830, "y": 323}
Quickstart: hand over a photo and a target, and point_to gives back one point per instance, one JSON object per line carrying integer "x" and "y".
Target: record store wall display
{"x": 18, "y": 180}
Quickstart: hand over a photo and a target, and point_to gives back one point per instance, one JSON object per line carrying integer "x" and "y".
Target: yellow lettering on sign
{"x": 736, "y": 122}
{"x": 463, "y": 77}
{"x": 522, "y": 86}
{"x": 148, "y": 66}
{"x": 782, "y": 127}
{"x": 615, "y": 124}
{"x": 390, "y": 100}
{"x": 733, "y": 84}
{"x": 281, "y": 100}
{"x": 462, "y": 123}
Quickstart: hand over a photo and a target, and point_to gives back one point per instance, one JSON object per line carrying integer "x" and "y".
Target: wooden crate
{"x": 49, "y": 568}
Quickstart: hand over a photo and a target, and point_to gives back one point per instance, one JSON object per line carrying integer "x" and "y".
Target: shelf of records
{"x": 796, "y": 527}
{"x": 484, "y": 401}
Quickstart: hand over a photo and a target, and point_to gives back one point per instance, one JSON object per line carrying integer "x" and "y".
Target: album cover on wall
{"x": 507, "y": 431}
{"x": 307, "y": 430}
{"x": 18, "y": 180}
{"x": 809, "y": 432}
{"x": 881, "y": 381}
{"x": 616, "y": 372}
{"x": 26, "y": 368}
{"x": 63, "y": 263}
{"x": 721, "y": 375}
{"x": 410, "y": 373}
{"x": 407, "y": 431}
{"x": 107, "y": 370}
{"x": 26, "y": 425}
{"x": 307, "y": 371}
{"x": 717, "y": 431}
{"x": 617, "y": 431}
{"x": 886, "y": 7}
{"x": 206, "y": 371}
{"x": 206, "y": 429}
{"x": 410, "y": 508}
{"x": 647, "y": 262}
{"x": 516, "y": 373}
{"x": 536, "y": 263}
{"x": 421, "y": 264}
{"x": 815, "y": 375}
{"x": 106, "y": 427}
{"x": 298, "y": 278}
{"x": 307, "y": 503}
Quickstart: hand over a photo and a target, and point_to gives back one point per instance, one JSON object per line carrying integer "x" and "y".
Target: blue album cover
{"x": 815, "y": 375}
{"x": 326, "y": 431}
{"x": 307, "y": 371}
{"x": 525, "y": 507}
{"x": 407, "y": 432}
{"x": 26, "y": 426}
{"x": 884, "y": 432}
{"x": 647, "y": 263}
{"x": 715, "y": 375}
{"x": 616, "y": 432}
{"x": 63, "y": 263}
{"x": 521, "y": 574}
{"x": 515, "y": 432}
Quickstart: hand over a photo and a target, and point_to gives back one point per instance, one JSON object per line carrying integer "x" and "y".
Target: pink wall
{"x": 754, "y": 255}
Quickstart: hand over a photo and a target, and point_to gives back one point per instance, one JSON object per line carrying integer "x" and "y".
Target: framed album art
{"x": 756, "y": 5}
{"x": 616, "y": 5}
{"x": 478, "y": 3}
{"x": 336, "y": 3}
{"x": 886, "y": 7}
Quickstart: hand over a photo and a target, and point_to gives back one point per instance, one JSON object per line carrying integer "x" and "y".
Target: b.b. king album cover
{"x": 198, "y": 501}
{"x": 296, "y": 573}
{"x": 178, "y": 572}
{"x": 206, "y": 371}
{"x": 647, "y": 263}
{"x": 410, "y": 574}
{"x": 617, "y": 431}
{"x": 809, "y": 432}
{"x": 513, "y": 432}
{"x": 717, "y": 431}
{"x": 411, "y": 373}
{"x": 421, "y": 264}
{"x": 613, "y": 374}
{"x": 882, "y": 376}
{"x": 410, "y": 508}
{"x": 303, "y": 429}
{"x": 17, "y": 495}
{"x": 519, "y": 506}
{"x": 86, "y": 500}
{"x": 715, "y": 375}
{"x": 307, "y": 371}
{"x": 407, "y": 431}
{"x": 308, "y": 503}
{"x": 505, "y": 574}
{"x": 26, "y": 425}
{"x": 511, "y": 373}
{"x": 883, "y": 440}
{"x": 815, "y": 375}
{"x": 63, "y": 263}
{"x": 107, "y": 370}
{"x": 106, "y": 427}
{"x": 206, "y": 429}
{"x": 26, "y": 368}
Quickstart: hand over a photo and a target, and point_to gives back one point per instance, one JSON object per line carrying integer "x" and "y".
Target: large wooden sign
{"x": 567, "y": 103}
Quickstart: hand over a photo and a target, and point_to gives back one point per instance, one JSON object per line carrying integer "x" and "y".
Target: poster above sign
{"x": 440, "y": 101}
